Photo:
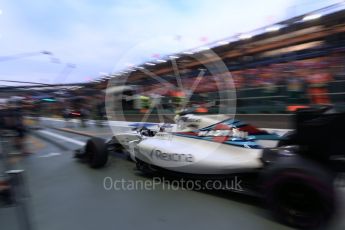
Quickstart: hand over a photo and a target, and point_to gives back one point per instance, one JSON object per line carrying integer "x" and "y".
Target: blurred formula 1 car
{"x": 294, "y": 174}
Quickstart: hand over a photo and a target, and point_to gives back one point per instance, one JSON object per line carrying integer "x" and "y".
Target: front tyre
{"x": 96, "y": 152}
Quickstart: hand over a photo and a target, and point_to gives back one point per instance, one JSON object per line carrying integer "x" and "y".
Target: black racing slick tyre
{"x": 96, "y": 152}
{"x": 301, "y": 196}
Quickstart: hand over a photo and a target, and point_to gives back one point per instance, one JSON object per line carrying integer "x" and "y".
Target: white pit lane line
{"x": 71, "y": 140}
{"x": 49, "y": 155}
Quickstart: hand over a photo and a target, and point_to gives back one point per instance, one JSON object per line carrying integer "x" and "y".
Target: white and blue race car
{"x": 293, "y": 173}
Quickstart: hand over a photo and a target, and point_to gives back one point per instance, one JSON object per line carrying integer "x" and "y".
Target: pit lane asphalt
{"x": 66, "y": 194}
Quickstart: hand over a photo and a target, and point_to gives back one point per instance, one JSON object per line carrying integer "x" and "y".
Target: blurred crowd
{"x": 318, "y": 70}
{"x": 310, "y": 78}
{"x": 307, "y": 78}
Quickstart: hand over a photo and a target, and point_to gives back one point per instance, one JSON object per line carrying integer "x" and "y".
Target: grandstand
{"x": 295, "y": 62}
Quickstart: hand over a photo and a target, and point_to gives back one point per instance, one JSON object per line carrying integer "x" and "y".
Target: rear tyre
{"x": 302, "y": 196}
{"x": 96, "y": 152}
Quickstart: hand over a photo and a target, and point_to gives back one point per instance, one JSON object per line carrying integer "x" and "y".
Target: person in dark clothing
{"x": 100, "y": 107}
{"x": 12, "y": 119}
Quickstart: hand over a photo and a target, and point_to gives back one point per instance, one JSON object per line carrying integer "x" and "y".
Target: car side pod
{"x": 299, "y": 192}
{"x": 96, "y": 152}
